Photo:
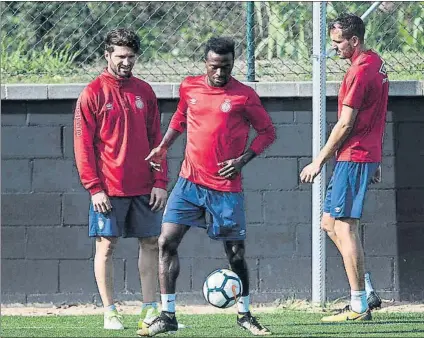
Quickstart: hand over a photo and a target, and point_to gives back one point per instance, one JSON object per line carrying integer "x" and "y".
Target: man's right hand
{"x": 101, "y": 202}
{"x": 156, "y": 156}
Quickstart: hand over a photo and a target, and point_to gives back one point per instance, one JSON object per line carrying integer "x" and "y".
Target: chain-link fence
{"x": 63, "y": 41}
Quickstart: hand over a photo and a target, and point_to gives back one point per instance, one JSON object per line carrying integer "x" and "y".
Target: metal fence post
{"x": 318, "y": 141}
{"x": 250, "y": 36}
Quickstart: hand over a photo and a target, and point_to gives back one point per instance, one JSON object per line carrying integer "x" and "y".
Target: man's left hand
{"x": 158, "y": 199}
{"x": 230, "y": 168}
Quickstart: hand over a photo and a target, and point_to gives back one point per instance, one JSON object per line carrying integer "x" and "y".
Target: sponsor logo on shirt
{"x": 139, "y": 102}
{"x": 226, "y": 106}
{"x": 192, "y": 101}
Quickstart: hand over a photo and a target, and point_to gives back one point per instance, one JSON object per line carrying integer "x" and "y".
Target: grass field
{"x": 283, "y": 323}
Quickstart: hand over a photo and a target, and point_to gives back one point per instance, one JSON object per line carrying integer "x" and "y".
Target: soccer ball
{"x": 222, "y": 288}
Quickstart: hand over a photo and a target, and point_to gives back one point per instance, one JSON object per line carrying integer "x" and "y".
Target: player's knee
{"x": 105, "y": 246}
{"x": 167, "y": 245}
{"x": 346, "y": 227}
{"x": 149, "y": 243}
{"x": 236, "y": 257}
{"x": 327, "y": 224}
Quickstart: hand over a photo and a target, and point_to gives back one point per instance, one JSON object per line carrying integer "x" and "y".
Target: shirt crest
{"x": 139, "y": 102}
{"x": 226, "y": 106}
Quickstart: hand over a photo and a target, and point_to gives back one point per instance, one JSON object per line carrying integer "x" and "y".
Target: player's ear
{"x": 355, "y": 41}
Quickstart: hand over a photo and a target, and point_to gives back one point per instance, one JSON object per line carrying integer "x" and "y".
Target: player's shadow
{"x": 372, "y": 323}
{"x": 357, "y": 334}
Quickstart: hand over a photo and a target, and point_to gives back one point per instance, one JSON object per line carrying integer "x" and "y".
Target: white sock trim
{"x": 358, "y": 301}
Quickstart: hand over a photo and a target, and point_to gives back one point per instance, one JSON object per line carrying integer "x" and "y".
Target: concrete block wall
{"x": 47, "y": 256}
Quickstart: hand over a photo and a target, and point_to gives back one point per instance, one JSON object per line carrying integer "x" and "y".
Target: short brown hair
{"x": 122, "y": 37}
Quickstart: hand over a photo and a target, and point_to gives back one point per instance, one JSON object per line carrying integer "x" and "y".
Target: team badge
{"x": 109, "y": 106}
{"x": 101, "y": 223}
{"x": 139, "y": 102}
{"x": 226, "y": 106}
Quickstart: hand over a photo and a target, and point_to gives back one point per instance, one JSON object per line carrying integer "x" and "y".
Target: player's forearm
{"x": 338, "y": 135}
{"x": 85, "y": 159}
{"x": 263, "y": 140}
{"x": 87, "y": 170}
{"x": 170, "y": 136}
{"x": 247, "y": 156}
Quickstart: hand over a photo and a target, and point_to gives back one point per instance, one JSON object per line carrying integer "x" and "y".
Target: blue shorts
{"x": 221, "y": 213}
{"x": 129, "y": 217}
{"x": 347, "y": 188}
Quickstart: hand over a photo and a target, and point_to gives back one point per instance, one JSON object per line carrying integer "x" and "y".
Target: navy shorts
{"x": 129, "y": 217}
{"x": 221, "y": 213}
{"x": 347, "y": 189}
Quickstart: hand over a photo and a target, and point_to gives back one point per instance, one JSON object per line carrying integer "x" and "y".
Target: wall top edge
{"x": 167, "y": 90}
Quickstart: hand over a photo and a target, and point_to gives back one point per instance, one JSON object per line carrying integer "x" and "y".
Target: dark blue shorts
{"x": 129, "y": 217}
{"x": 221, "y": 213}
{"x": 347, "y": 188}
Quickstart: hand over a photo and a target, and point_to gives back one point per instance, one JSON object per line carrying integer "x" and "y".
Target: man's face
{"x": 218, "y": 68}
{"x": 121, "y": 61}
{"x": 343, "y": 47}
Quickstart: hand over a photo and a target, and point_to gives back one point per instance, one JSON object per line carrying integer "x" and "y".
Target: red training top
{"x": 365, "y": 87}
{"x": 218, "y": 121}
{"x": 116, "y": 124}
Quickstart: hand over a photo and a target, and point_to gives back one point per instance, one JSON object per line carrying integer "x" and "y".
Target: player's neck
{"x": 358, "y": 51}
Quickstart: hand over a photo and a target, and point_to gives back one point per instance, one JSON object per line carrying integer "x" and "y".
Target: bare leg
{"x": 327, "y": 224}
{"x": 148, "y": 267}
{"x": 346, "y": 230}
{"x": 103, "y": 268}
{"x": 235, "y": 254}
{"x": 169, "y": 264}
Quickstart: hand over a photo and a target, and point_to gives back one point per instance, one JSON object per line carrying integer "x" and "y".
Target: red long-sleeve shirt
{"x": 116, "y": 124}
{"x": 218, "y": 121}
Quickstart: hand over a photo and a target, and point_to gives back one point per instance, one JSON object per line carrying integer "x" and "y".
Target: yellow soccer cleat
{"x": 347, "y": 315}
{"x": 113, "y": 321}
{"x": 147, "y": 316}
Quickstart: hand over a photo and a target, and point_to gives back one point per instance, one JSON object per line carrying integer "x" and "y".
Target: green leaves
{"x": 17, "y": 59}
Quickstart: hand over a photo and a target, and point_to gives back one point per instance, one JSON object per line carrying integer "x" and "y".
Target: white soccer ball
{"x": 222, "y": 288}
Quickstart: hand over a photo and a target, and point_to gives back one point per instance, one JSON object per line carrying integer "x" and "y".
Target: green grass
{"x": 283, "y": 323}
